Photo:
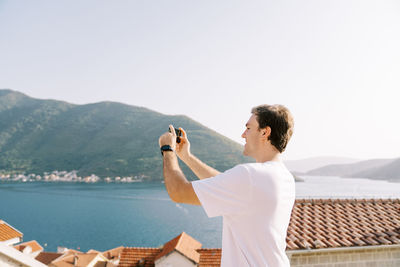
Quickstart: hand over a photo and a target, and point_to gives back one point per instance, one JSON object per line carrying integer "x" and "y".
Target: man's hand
{"x": 183, "y": 148}
{"x": 168, "y": 138}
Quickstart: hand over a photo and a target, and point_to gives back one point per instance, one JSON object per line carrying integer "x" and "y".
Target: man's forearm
{"x": 173, "y": 176}
{"x": 199, "y": 168}
{"x": 178, "y": 187}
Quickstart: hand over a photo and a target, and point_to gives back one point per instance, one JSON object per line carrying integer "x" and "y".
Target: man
{"x": 254, "y": 199}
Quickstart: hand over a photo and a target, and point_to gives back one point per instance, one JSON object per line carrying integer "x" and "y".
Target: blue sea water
{"x": 103, "y": 216}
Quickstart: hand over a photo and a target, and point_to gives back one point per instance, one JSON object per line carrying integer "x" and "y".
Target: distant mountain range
{"x": 114, "y": 139}
{"x": 382, "y": 169}
{"x": 107, "y": 138}
{"x": 305, "y": 165}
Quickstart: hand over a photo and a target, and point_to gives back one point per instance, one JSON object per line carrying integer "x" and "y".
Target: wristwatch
{"x": 165, "y": 148}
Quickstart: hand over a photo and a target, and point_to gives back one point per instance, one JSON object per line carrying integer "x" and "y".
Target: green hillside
{"x": 107, "y": 138}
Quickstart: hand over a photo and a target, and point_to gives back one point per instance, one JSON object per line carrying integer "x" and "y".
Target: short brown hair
{"x": 279, "y": 119}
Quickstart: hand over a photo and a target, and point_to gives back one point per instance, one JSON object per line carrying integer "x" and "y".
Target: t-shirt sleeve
{"x": 226, "y": 193}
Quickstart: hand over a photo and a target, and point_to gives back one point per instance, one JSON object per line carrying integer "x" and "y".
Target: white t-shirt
{"x": 256, "y": 201}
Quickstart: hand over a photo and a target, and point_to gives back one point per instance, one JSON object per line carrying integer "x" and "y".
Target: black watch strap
{"x": 166, "y": 148}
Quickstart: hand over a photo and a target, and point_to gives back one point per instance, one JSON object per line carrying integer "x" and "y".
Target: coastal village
{"x": 64, "y": 176}
{"x": 322, "y": 232}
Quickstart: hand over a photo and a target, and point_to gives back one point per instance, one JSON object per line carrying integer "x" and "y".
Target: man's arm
{"x": 178, "y": 187}
{"x": 198, "y": 167}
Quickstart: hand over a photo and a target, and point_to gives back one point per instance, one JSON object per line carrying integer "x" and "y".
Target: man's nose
{"x": 243, "y": 136}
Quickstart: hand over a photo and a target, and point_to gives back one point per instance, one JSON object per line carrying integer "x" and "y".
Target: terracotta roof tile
{"x": 35, "y": 246}
{"x": 210, "y": 257}
{"x": 184, "y": 244}
{"x": 47, "y": 257}
{"x": 132, "y": 257}
{"x": 7, "y": 232}
{"x": 329, "y": 223}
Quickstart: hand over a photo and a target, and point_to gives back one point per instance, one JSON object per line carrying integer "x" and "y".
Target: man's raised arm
{"x": 199, "y": 168}
{"x": 178, "y": 187}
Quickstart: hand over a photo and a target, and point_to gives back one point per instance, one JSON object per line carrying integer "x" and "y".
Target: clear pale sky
{"x": 334, "y": 64}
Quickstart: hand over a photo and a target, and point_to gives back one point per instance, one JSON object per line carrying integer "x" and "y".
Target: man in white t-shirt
{"x": 255, "y": 199}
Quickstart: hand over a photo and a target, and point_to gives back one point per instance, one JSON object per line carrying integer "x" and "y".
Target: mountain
{"x": 349, "y": 169}
{"x": 386, "y": 169}
{"x": 106, "y": 138}
{"x": 390, "y": 171}
{"x": 305, "y": 165}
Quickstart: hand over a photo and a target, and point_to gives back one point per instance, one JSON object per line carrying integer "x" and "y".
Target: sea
{"x": 103, "y": 216}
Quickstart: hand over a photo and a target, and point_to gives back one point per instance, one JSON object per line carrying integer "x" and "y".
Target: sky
{"x": 334, "y": 64}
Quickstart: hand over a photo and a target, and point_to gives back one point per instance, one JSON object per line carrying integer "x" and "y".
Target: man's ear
{"x": 266, "y": 132}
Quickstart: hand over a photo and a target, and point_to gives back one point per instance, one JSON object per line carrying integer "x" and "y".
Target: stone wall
{"x": 385, "y": 256}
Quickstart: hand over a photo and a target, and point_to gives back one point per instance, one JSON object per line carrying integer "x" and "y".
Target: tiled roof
{"x": 7, "y": 232}
{"x": 47, "y": 257}
{"x": 330, "y": 223}
{"x": 183, "y": 243}
{"x": 35, "y": 246}
{"x": 132, "y": 257}
{"x": 210, "y": 257}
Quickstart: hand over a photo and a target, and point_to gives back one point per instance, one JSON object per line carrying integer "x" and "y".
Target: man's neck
{"x": 270, "y": 154}
{"x": 269, "y": 158}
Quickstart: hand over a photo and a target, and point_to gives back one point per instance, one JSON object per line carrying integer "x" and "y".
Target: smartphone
{"x": 178, "y": 135}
